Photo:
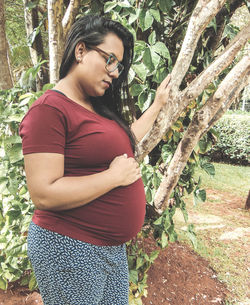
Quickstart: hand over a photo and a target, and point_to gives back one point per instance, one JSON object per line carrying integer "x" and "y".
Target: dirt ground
{"x": 178, "y": 276}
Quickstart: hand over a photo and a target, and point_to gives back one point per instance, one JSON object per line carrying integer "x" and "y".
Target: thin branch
{"x": 200, "y": 83}
{"x": 203, "y": 13}
{"x": 69, "y": 15}
{"x": 228, "y": 102}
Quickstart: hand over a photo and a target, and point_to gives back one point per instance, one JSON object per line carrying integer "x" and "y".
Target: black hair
{"x": 116, "y": 103}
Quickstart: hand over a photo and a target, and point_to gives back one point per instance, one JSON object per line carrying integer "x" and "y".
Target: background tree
{"x": 35, "y": 42}
{"x": 5, "y": 75}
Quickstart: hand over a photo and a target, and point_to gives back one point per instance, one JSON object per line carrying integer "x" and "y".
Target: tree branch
{"x": 70, "y": 15}
{"x": 203, "y": 13}
{"x": 226, "y": 105}
{"x": 180, "y": 101}
{"x": 200, "y": 83}
{"x": 198, "y": 124}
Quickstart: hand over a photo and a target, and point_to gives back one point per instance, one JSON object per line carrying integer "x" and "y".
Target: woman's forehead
{"x": 112, "y": 44}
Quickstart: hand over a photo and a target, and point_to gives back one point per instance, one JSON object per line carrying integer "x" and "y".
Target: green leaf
{"x": 136, "y": 89}
{"x": 3, "y": 283}
{"x": 213, "y": 24}
{"x": 164, "y": 240}
{"x": 191, "y": 235}
{"x": 199, "y": 196}
{"x": 209, "y": 168}
{"x": 158, "y": 221}
{"x": 3, "y": 184}
{"x": 13, "y": 140}
{"x": 152, "y": 38}
{"x": 32, "y": 282}
{"x": 161, "y": 49}
{"x": 148, "y": 20}
{"x": 140, "y": 70}
{"x": 142, "y": 99}
{"x": 160, "y": 75}
{"x": 148, "y": 194}
{"x": 134, "y": 17}
{"x": 153, "y": 255}
{"x": 133, "y": 276}
{"x": 147, "y": 60}
{"x": 156, "y": 14}
{"x": 142, "y": 16}
{"x": 139, "y": 262}
{"x": 108, "y": 6}
{"x": 15, "y": 153}
{"x": 155, "y": 58}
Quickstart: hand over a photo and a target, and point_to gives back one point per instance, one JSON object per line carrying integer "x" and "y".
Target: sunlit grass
{"x": 228, "y": 178}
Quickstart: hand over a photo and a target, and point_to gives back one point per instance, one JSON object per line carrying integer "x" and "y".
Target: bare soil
{"x": 178, "y": 276}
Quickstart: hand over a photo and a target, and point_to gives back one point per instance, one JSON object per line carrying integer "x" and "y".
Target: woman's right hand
{"x": 126, "y": 170}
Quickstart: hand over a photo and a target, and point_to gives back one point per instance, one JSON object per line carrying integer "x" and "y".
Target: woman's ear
{"x": 80, "y": 51}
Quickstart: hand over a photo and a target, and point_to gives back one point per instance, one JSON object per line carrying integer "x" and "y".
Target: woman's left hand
{"x": 162, "y": 92}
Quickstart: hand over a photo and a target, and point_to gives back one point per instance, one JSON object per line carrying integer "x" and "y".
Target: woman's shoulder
{"x": 52, "y": 99}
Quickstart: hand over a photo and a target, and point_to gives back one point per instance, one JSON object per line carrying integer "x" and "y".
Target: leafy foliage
{"x": 16, "y": 208}
{"x": 233, "y": 140}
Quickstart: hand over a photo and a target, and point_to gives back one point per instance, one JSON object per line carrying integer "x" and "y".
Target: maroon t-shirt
{"x": 89, "y": 142}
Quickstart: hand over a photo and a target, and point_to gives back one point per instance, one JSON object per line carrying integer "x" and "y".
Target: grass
{"x": 227, "y": 257}
{"x": 229, "y": 178}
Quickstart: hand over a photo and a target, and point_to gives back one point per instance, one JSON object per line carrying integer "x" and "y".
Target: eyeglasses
{"x": 112, "y": 62}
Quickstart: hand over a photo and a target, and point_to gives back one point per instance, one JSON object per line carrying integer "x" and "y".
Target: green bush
{"x": 233, "y": 140}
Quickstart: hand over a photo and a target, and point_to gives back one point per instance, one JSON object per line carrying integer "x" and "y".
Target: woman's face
{"x": 90, "y": 72}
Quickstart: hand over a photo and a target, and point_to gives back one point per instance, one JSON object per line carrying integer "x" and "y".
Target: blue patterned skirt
{"x": 72, "y": 272}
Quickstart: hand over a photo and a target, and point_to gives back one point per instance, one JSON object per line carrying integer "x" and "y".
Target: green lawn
{"x": 229, "y": 178}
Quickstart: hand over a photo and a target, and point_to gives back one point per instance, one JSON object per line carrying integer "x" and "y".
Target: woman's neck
{"x": 72, "y": 91}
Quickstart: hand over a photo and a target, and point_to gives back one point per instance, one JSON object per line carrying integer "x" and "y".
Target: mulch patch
{"x": 179, "y": 276}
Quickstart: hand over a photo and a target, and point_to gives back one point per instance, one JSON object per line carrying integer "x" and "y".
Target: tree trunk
{"x": 5, "y": 75}
{"x": 59, "y": 26}
{"x": 55, "y": 16}
{"x": 36, "y": 50}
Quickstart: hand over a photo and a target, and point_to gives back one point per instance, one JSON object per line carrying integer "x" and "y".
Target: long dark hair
{"x": 116, "y": 103}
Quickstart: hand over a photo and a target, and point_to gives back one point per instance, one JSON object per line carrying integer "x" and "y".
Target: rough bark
{"x": 179, "y": 100}
{"x": 198, "y": 124}
{"x": 55, "y": 16}
{"x": 5, "y": 75}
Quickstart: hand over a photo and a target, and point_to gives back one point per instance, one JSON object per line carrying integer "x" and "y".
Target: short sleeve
{"x": 43, "y": 129}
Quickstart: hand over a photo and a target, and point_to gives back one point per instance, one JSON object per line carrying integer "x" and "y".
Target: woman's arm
{"x": 141, "y": 126}
{"x": 49, "y": 190}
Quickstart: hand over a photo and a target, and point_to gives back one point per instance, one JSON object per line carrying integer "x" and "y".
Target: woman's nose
{"x": 114, "y": 74}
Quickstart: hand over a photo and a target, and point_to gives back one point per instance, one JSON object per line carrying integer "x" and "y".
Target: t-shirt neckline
{"x": 78, "y": 105}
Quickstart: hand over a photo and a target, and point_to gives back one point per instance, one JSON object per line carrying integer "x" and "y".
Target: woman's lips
{"x": 107, "y": 84}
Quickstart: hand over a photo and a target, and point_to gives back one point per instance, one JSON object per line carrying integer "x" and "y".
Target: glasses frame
{"x": 108, "y": 58}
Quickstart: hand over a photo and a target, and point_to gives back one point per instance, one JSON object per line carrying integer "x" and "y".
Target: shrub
{"x": 233, "y": 141}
